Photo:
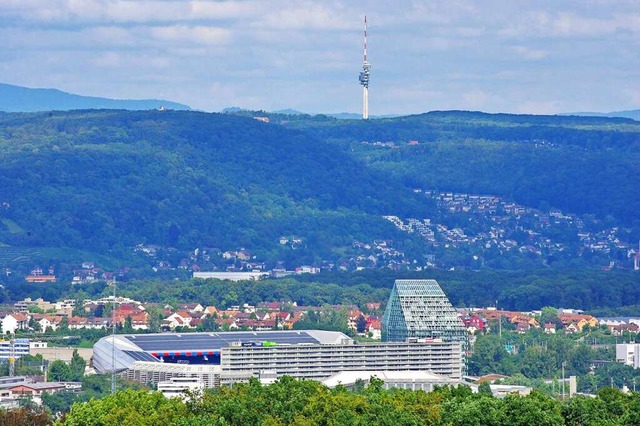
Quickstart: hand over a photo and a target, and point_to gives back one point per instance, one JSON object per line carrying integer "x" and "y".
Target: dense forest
{"x": 607, "y": 293}
{"x": 104, "y": 181}
{"x": 578, "y": 164}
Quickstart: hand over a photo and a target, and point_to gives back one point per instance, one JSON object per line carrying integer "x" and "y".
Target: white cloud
{"x": 475, "y": 99}
{"x": 305, "y": 16}
{"x": 539, "y": 107}
{"x": 191, "y": 35}
{"x": 510, "y": 55}
{"x": 529, "y": 53}
{"x": 108, "y": 60}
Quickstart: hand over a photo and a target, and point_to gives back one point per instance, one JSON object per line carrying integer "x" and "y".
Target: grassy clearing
{"x": 12, "y": 227}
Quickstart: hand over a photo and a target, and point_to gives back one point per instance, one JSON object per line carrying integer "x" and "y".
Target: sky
{"x": 519, "y": 56}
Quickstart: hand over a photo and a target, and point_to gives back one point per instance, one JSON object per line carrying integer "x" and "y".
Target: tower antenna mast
{"x": 364, "y": 77}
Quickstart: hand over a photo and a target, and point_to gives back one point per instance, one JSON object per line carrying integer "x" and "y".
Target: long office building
{"x": 227, "y": 357}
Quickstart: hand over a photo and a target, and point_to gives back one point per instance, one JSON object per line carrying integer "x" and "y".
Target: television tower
{"x": 364, "y": 77}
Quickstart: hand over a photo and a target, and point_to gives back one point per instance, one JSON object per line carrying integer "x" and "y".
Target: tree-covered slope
{"x": 102, "y": 179}
{"x": 108, "y": 179}
{"x": 583, "y": 165}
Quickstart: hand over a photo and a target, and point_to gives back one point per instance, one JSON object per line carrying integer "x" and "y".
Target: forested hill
{"x": 105, "y": 179}
{"x": 584, "y": 165}
{"x": 113, "y": 179}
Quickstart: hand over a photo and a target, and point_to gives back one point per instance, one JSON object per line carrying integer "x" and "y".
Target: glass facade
{"x": 420, "y": 309}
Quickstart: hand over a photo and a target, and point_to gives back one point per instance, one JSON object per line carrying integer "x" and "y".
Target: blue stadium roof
{"x": 206, "y": 342}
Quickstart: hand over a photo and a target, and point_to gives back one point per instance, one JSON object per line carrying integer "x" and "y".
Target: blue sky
{"x": 497, "y": 56}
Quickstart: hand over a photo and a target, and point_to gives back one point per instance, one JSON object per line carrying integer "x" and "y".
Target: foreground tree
{"x": 32, "y": 416}
{"x": 131, "y": 408}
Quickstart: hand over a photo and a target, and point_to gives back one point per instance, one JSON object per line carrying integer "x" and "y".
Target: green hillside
{"x": 111, "y": 179}
{"x": 105, "y": 181}
{"x": 584, "y": 165}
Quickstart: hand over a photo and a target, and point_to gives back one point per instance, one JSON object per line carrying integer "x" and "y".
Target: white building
{"x": 628, "y": 354}
{"x": 10, "y": 323}
{"x": 232, "y": 276}
{"x": 414, "y": 380}
{"x": 178, "y": 386}
{"x": 14, "y": 348}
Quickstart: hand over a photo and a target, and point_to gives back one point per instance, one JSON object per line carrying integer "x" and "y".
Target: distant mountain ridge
{"x": 633, "y": 114}
{"x": 290, "y": 111}
{"x": 23, "y": 99}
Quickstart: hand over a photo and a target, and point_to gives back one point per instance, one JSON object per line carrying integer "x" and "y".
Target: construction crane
{"x": 12, "y": 354}
{"x": 12, "y": 358}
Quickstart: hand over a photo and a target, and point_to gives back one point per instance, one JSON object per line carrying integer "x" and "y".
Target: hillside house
{"x": 94, "y": 323}
{"x": 579, "y": 320}
{"x": 177, "y": 319}
{"x": 474, "y": 323}
{"x": 524, "y": 319}
{"x": 243, "y": 255}
{"x": 37, "y": 276}
{"x": 572, "y": 328}
{"x": 619, "y": 330}
{"x": 374, "y": 328}
{"x": 210, "y": 311}
{"x": 373, "y": 306}
{"x": 191, "y": 308}
{"x": 12, "y": 322}
{"x": 46, "y": 322}
{"x": 227, "y": 323}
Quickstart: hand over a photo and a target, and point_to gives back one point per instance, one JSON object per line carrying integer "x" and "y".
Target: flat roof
{"x": 390, "y": 376}
{"x": 201, "y": 342}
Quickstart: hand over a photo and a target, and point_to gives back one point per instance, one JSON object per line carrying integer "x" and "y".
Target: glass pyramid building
{"x": 419, "y": 308}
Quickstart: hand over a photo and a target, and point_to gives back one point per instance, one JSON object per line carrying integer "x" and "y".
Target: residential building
{"x": 14, "y": 348}
{"x": 10, "y": 323}
{"x": 579, "y": 320}
{"x": 34, "y": 391}
{"x": 24, "y": 305}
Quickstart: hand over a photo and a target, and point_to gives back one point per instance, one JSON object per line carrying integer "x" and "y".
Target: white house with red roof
{"x": 14, "y": 321}
{"x": 178, "y": 319}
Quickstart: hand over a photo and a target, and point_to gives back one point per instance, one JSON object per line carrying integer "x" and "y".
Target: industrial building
{"x": 227, "y": 357}
{"x": 420, "y": 309}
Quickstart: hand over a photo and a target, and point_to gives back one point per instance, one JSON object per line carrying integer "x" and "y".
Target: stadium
{"x": 227, "y": 357}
